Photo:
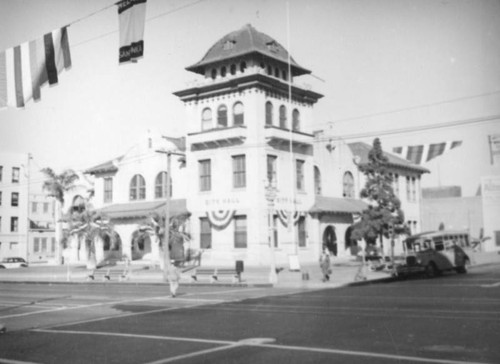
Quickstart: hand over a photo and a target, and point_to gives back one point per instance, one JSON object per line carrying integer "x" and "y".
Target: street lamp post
{"x": 271, "y": 192}
{"x": 166, "y": 238}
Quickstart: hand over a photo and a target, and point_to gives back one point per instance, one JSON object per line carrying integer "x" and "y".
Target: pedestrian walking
{"x": 324, "y": 263}
{"x": 173, "y": 277}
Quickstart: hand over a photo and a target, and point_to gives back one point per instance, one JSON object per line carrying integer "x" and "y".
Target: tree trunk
{"x": 58, "y": 232}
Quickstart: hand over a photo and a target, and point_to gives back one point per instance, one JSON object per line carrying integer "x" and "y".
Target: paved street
{"x": 450, "y": 319}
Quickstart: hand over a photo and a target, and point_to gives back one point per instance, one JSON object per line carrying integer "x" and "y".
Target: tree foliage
{"x": 87, "y": 224}
{"x": 57, "y": 185}
{"x": 384, "y": 208}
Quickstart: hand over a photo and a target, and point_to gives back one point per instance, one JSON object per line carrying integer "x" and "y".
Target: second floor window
{"x": 14, "y": 199}
{"x": 296, "y": 120}
{"x": 206, "y": 119}
{"x": 283, "y": 116}
{"x": 108, "y": 189}
{"x": 205, "y": 175}
{"x": 239, "y": 171}
{"x": 238, "y": 114}
{"x": 15, "y": 174}
{"x": 137, "y": 188}
{"x": 348, "y": 185}
{"x": 269, "y": 113}
{"x": 161, "y": 185}
{"x": 317, "y": 181}
{"x": 222, "y": 116}
{"x": 299, "y": 175}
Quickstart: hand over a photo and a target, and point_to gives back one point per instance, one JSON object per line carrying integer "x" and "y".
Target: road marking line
{"x": 490, "y": 285}
{"x": 231, "y": 344}
{"x": 9, "y": 361}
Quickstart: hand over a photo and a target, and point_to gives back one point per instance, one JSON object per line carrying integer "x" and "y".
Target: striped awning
{"x": 144, "y": 209}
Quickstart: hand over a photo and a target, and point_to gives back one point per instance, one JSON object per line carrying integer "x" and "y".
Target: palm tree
{"x": 155, "y": 226}
{"x": 56, "y": 186}
{"x": 88, "y": 225}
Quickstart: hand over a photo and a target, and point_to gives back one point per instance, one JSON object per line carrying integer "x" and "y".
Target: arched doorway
{"x": 330, "y": 239}
{"x": 112, "y": 246}
{"x": 141, "y": 244}
{"x": 351, "y": 243}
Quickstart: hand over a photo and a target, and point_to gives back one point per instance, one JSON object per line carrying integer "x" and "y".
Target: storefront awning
{"x": 144, "y": 209}
{"x": 334, "y": 205}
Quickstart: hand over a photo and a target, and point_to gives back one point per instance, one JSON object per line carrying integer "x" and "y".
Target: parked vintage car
{"x": 432, "y": 253}
{"x": 13, "y": 262}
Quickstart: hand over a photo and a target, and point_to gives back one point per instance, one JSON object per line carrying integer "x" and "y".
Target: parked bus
{"x": 432, "y": 253}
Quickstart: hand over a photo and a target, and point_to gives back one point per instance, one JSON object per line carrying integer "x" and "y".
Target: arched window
{"x": 348, "y": 185}
{"x": 223, "y": 71}
{"x": 269, "y": 113}
{"x": 214, "y": 74}
{"x": 296, "y": 120}
{"x": 222, "y": 116}
{"x": 233, "y": 69}
{"x": 161, "y": 185}
{"x": 137, "y": 188}
{"x": 78, "y": 204}
{"x": 283, "y": 116}
{"x": 317, "y": 181}
{"x": 277, "y": 72}
{"x": 283, "y": 75}
{"x": 206, "y": 119}
{"x": 243, "y": 67}
{"x": 238, "y": 114}
{"x": 269, "y": 70}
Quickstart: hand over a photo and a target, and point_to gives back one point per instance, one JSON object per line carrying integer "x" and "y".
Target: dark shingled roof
{"x": 243, "y": 42}
{"x": 105, "y": 167}
{"x": 333, "y": 205}
{"x": 361, "y": 150}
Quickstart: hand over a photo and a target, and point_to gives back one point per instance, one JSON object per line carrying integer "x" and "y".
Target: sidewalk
{"x": 344, "y": 272}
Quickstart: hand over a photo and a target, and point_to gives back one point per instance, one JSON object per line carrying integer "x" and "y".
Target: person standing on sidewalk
{"x": 173, "y": 277}
{"x": 324, "y": 263}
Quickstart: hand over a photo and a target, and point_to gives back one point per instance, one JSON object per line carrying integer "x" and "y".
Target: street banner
{"x": 24, "y": 69}
{"x": 494, "y": 148}
{"x": 132, "y": 16}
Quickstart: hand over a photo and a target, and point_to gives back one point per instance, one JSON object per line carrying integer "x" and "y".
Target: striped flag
{"x": 25, "y": 68}
{"x": 423, "y": 153}
{"x": 131, "y": 16}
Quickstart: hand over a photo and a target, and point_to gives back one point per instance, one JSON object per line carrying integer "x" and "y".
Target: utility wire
{"x": 411, "y": 108}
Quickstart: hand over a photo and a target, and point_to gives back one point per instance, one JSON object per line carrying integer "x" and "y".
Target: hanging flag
{"x": 494, "y": 148}
{"x": 25, "y": 68}
{"x": 132, "y": 16}
{"x": 423, "y": 153}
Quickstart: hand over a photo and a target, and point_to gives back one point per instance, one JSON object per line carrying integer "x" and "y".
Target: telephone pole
{"x": 166, "y": 235}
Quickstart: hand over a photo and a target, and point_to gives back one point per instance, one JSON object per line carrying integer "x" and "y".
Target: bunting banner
{"x": 132, "y": 16}
{"x": 423, "y": 153}
{"x": 24, "y": 69}
{"x": 220, "y": 218}
{"x": 289, "y": 216}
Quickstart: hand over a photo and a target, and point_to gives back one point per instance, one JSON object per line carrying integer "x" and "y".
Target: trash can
{"x": 239, "y": 266}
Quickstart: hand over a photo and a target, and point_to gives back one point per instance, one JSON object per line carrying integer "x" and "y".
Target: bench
{"x": 215, "y": 273}
{"x": 108, "y": 274}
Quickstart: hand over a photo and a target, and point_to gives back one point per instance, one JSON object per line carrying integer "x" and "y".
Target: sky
{"x": 381, "y": 65}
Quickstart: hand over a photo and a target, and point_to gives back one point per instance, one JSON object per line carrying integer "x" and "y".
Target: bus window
{"x": 466, "y": 240}
{"x": 438, "y": 245}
